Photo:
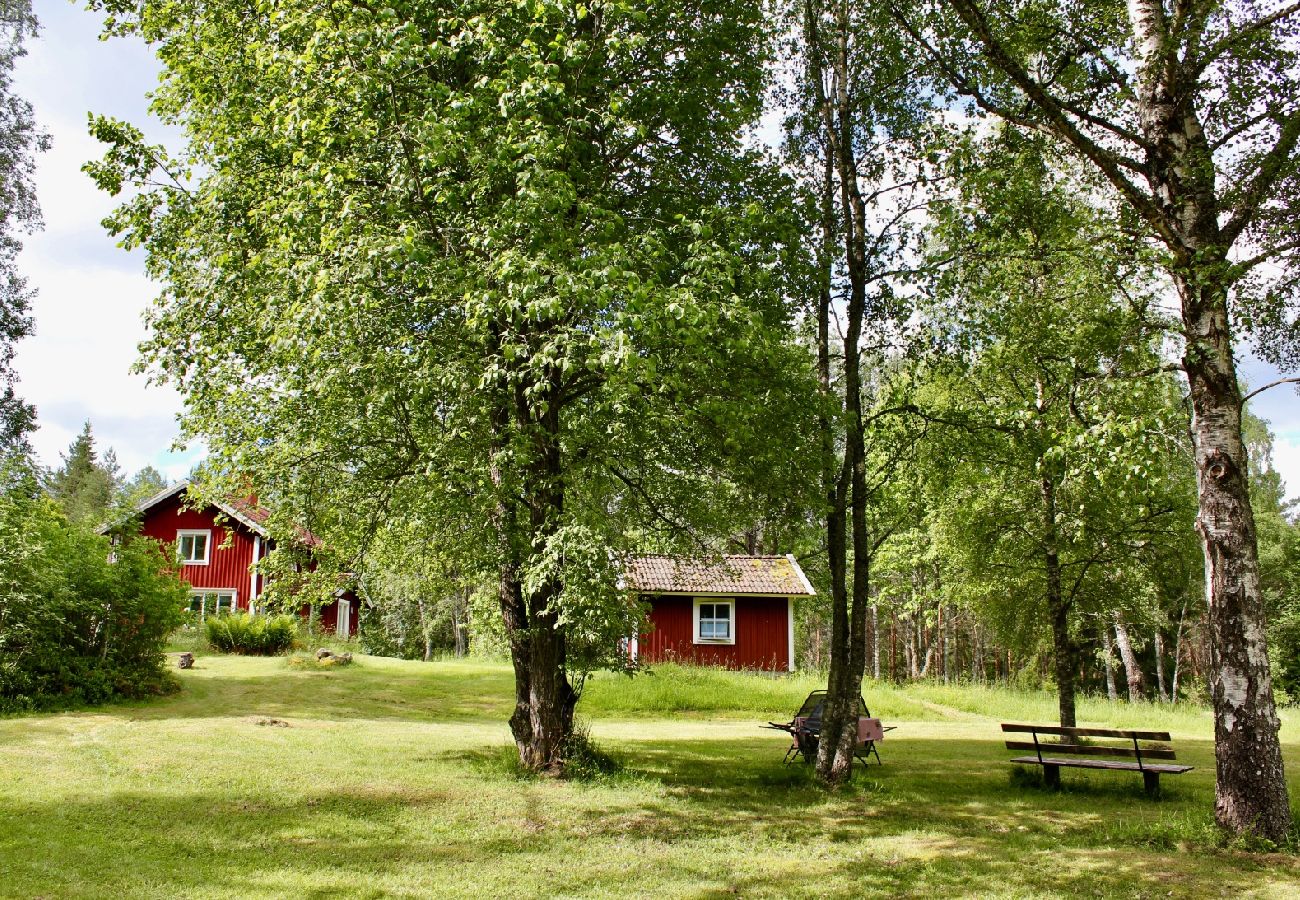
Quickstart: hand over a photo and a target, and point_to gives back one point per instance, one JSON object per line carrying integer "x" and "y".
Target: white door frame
{"x": 343, "y": 619}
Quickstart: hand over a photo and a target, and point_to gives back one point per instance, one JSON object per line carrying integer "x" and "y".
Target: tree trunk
{"x": 1108, "y": 662}
{"x": 1159, "y": 646}
{"x": 1058, "y": 608}
{"x": 542, "y": 722}
{"x": 1251, "y": 790}
{"x": 875, "y": 641}
{"x": 1178, "y": 653}
{"x": 1132, "y": 671}
{"x": 849, "y": 614}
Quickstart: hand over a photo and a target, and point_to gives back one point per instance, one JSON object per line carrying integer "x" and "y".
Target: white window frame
{"x": 206, "y": 534}
{"x": 204, "y": 593}
{"x": 728, "y": 602}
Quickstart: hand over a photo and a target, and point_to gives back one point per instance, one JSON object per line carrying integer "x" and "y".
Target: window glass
{"x": 212, "y": 603}
{"x": 715, "y": 622}
{"x": 193, "y": 548}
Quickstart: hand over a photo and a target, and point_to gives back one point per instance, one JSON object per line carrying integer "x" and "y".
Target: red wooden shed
{"x": 217, "y": 545}
{"x": 732, "y": 611}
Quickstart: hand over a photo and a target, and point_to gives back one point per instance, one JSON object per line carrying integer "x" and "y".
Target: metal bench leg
{"x": 1052, "y": 777}
{"x": 1151, "y": 781}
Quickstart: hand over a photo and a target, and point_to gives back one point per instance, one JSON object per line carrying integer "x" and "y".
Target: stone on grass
{"x": 185, "y": 661}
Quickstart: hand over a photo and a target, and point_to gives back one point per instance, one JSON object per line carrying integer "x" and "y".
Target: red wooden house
{"x": 217, "y": 546}
{"x": 732, "y": 611}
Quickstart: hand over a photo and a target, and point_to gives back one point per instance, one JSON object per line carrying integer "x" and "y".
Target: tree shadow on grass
{"x": 402, "y": 842}
{"x": 684, "y": 817}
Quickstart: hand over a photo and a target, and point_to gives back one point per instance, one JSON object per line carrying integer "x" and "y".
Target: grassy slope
{"x": 392, "y": 779}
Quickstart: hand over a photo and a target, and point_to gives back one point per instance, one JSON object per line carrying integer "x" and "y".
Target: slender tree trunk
{"x": 1132, "y": 671}
{"x": 875, "y": 641}
{"x": 849, "y": 613}
{"x": 1159, "y": 646}
{"x": 1058, "y": 607}
{"x": 1108, "y": 662}
{"x": 1178, "y": 653}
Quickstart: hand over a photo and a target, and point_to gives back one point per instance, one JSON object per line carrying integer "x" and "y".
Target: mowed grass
{"x": 393, "y": 779}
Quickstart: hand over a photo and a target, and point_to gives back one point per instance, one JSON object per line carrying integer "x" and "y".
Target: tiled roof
{"x": 763, "y": 575}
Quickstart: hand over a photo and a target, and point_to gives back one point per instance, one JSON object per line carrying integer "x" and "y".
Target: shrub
{"x": 252, "y": 635}
{"x": 81, "y": 620}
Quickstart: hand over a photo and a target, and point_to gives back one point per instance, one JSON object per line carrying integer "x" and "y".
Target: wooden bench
{"x": 1055, "y": 756}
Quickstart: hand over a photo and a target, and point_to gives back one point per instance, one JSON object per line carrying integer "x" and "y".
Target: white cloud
{"x": 90, "y": 293}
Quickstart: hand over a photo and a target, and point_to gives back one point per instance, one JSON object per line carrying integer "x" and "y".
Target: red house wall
{"x": 228, "y": 563}
{"x": 762, "y": 634}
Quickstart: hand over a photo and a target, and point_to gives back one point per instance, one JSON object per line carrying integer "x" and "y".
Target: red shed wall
{"x": 228, "y": 563}
{"x": 762, "y": 634}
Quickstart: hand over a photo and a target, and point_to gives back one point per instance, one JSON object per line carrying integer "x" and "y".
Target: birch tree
{"x": 1190, "y": 112}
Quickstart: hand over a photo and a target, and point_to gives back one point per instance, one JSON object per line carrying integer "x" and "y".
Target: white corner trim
{"x": 695, "y": 622}
{"x": 252, "y": 574}
{"x": 789, "y": 623}
{"x": 802, "y": 577}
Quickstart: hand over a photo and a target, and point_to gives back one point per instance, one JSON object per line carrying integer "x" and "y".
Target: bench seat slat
{"x": 1162, "y": 768}
{"x": 1088, "y": 732}
{"x": 1090, "y": 750}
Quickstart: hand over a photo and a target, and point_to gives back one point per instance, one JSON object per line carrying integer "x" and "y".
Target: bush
{"x": 252, "y": 635}
{"x": 81, "y": 620}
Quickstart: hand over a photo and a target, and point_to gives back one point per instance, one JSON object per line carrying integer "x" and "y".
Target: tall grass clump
{"x": 252, "y": 635}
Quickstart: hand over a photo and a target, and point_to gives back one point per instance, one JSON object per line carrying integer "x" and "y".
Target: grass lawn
{"x": 392, "y": 779}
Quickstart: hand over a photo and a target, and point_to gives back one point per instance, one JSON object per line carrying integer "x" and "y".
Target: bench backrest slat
{"x": 1090, "y": 732}
{"x": 1089, "y": 750}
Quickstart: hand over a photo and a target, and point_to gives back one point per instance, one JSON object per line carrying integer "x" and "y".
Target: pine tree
{"x": 85, "y": 486}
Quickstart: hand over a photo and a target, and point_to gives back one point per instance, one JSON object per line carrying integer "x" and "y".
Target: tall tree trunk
{"x": 847, "y": 521}
{"x": 1250, "y": 789}
{"x": 1108, "y": 661}
{"x": 1251, "y": 792}
{"x": 1132, "y": 671}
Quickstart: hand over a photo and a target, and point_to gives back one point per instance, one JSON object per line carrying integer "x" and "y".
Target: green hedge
{"x": 252, "y": 635}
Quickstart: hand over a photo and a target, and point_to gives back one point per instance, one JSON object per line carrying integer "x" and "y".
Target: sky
{"x": 91, "y": 294}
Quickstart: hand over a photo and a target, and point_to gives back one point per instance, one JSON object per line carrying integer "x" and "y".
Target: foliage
{"x": 504, "y": 268}
{"x": 145, "y": 484}
{"x": 415, "y": 605}
{"x": 251, "y": 635}
{"x": 1279, "y": 557}
{"x": 81, "y": 621}
{"x": 1059, "y": 483}
{"x": 20, "y": 141}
